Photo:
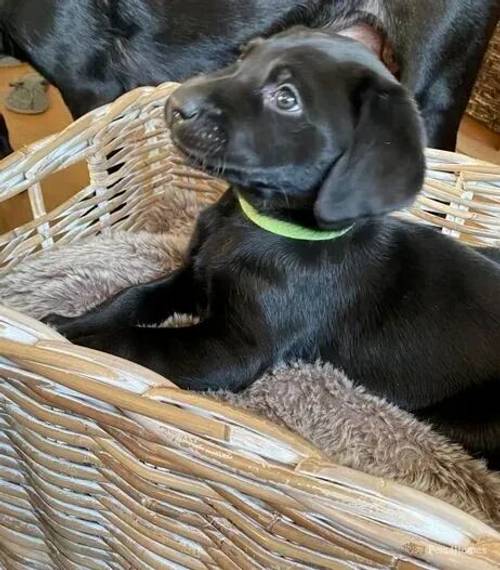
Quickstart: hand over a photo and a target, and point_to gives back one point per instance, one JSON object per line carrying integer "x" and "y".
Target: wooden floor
{"x": 26, "y": 129}
{"x": 477, "y": 140}
{"x": 474, "y": 140}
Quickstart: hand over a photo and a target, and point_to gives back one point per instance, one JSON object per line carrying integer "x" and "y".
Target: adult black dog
{"x": 313, "y": 132}
{"x": 5, "y": 147}
{"x": 95, "y": 50}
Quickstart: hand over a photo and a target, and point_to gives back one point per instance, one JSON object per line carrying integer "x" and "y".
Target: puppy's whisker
{"x": 218, "y": 168}
{"x": 224, "y": 164}
{"x": 285, "y": 196}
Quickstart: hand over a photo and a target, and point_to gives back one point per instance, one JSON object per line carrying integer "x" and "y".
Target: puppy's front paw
{"x": 55, "y": 321}
{"x": 67, "y": 326}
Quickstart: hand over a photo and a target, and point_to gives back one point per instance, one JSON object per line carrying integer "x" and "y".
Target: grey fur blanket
{"x": 318, "y": 402}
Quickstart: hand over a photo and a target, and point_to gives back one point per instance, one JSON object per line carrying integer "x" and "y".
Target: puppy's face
{"x": 309, "y": 118}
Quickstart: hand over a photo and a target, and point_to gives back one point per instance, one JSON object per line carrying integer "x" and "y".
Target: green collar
{"x": 286, "y": 229}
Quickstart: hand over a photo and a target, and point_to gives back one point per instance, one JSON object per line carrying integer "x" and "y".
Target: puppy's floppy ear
{"x": 383, "y": 169}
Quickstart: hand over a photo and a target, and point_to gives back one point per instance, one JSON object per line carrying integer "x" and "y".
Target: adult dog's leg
{"x": 443, "y": 45}
{"x": 148, "y": 303}
{"x": 5, "y": 147}
{"x": 80, "y": 100}
{"x": 213, "y": 354}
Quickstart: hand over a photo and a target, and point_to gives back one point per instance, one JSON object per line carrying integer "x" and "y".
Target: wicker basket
{"x": 105, "y": 465}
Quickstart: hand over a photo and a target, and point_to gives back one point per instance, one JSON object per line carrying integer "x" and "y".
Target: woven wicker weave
{"x": 105, "y": 465}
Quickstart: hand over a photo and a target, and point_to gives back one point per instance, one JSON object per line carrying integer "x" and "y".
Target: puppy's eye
{"x": 287, "y": 99}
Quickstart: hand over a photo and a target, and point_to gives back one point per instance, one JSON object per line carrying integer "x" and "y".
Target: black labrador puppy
{"x": 95, "y": 50}
{"x": 299, "y": 261}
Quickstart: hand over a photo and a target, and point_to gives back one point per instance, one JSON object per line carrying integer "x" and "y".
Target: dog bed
{"x": 319, "y": 403}
{"x": 106, "y": 465}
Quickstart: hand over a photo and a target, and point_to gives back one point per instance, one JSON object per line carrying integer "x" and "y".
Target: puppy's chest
{"x": 235, "y": 254}
{"x": 225, "y": 239}
{"x": 294, "y": 284}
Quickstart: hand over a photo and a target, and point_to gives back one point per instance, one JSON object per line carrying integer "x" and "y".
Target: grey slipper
{"x": 9, "y": 61}
{"x": 28, "y": 95}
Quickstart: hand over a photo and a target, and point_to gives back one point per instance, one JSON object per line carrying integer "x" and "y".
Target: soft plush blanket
{"x": 316, "y": 401}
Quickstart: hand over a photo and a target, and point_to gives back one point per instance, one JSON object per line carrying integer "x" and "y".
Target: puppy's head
{"x": 309, "y": 118}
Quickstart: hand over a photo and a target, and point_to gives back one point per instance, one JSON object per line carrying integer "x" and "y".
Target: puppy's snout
{"x": 196, "y": 122}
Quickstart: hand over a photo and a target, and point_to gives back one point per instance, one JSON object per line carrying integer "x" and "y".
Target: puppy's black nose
{"x": 190, "y": 101}
{"x": 182, "y": 110}
{"x": 185, "y": 104}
